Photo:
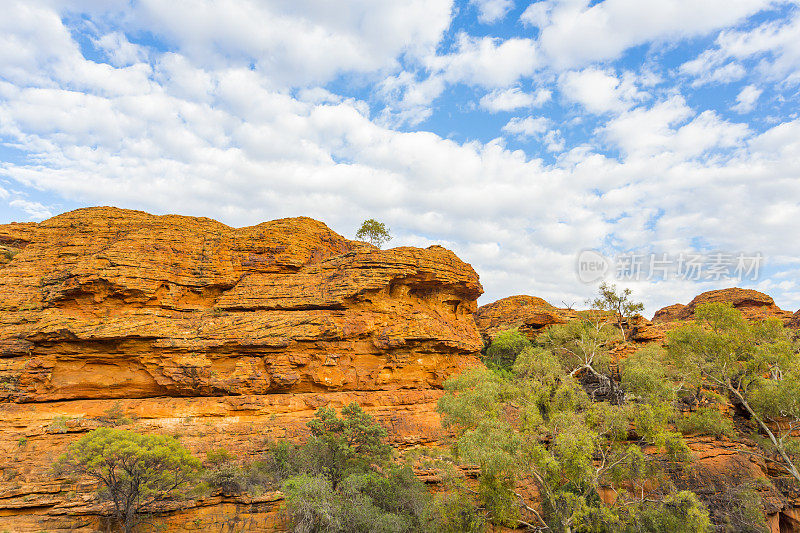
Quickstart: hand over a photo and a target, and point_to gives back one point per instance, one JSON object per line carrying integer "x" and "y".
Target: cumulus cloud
{"x": 228, "y": 124}
{"x": 490, "y": 11}
{"x": 34, "y": 210}
{"x": 600, "y": 90}
{"x": 484, "y": 62}
{"x": 746, "y": 99}
{"x": 663, "y": 129}
{"x": 487, "y": 61}
{"x": 513, "y": 98}
{"x": 527, "y": 127}
{"x": 576, "y": 33}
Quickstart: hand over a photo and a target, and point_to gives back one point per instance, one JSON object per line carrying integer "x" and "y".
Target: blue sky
{"x": 516, "y": 133}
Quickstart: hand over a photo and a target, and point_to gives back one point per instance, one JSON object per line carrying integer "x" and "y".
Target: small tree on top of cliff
{"x": 752, "y": 362}
{"x": 618, "y": 303}
{"x": 374, "y": 232}
{"x": 135, "y": 471}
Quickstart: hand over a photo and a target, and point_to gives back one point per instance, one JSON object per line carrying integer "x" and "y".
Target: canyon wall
{"x": 225, "y": 337}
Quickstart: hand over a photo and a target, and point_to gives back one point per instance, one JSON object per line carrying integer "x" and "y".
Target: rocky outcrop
{"x": 529, "y": 314}
{"x": 752, "y": 304}
{"x": 223, "y": 335}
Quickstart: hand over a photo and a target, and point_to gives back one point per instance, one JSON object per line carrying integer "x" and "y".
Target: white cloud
{"x": 710, "y": 68}
{"x": 600, "y": 90}
{"x": 575, "y": 33}
{"x": 554, "y": 141}
{"x": 527, "y": 127}
{"x": 293, "y": 43}
{"x": 34, "y": 210}
{"x": 490, "y": 11}
{"x": 773, "y": 45}
{"x": 662, "y": 129}
{"x": 484, "y": 62}
{"x": 487, "y": 61}
{"x": 746, "y": 99}
{"x": 513, "y": 98}
{"x": 119, "y": 50}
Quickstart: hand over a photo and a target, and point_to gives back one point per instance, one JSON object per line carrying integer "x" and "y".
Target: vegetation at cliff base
{"x": 752, "y": 363}
{"x": 135, "y": 472}
{"x": 538, "y": 425}
{"x": 344, "y": 479}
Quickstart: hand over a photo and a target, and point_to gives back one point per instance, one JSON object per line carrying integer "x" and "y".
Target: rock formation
{"x": 226, "y": 336}
{"x": 529, "y": 314}
{"x": 752, "y": 304}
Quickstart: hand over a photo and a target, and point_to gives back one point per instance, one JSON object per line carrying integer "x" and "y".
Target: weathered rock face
{"x": 752, "y": 304}
{"x": 527, "y": 313}
{"x": 106, "y": 303}
{"x": 240, "y": 332}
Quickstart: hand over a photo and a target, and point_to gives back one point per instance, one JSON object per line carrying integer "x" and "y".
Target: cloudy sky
{"x": 516, "y": 133}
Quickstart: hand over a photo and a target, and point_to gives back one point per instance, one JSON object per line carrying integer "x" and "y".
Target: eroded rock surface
{"x": 529, "y": 314}
{"x": 752, "y": 304}
{"x": 107, "y": 303}
{"x": 226, "y": 336}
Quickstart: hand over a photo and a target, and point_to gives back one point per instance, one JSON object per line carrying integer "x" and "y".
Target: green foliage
{"x": 505, "y": 348}
{"x": 706, "y": 421}
{"x": 645, "y": 376}
{"x": 115, "y": 416}
{"x": 341, "y": 479}
{"x": 374, "y": 232}
{"x": 582, "y": 347}
{"x": 134, "y": 471}
{"x": 540, "y": 425}
{"x": 22, "y": 441}
{"x": 226, "y": 474}
{"x": 340, "y": 446}
{"x": 681, "y": 512}
{"x": 619, "y": 303}
{"x": 739, "y": 509}
{"x": 751, "y": 361}
{"x": 61, "y": 424}
{"x": 454, "y": 511}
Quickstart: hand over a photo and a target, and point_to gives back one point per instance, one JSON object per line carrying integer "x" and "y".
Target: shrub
{"x": 454, "y": 512}
{"x": 115, "y": 416}
{"x": 706, "y": 421}
{"x": 341, "y": 479}
{"x": 505, "y": 348}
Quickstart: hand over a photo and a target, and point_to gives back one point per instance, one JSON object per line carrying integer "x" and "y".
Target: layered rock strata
{"x": 225, "y": 336}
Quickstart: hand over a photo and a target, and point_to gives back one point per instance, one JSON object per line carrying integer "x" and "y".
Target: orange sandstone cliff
{"x": 226, "y": 337}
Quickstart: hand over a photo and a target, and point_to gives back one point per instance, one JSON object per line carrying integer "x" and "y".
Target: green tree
{"x": 618, "y": 303}
{"x": 374, "y": 232}
{"x": 346, "y": 482}
{"x": 536, "y": 424}
{"x": 504, "y": 349}
{"x": 135, "y": 471}
{"x": 583, "y": 346}
{"x": 340, "y": 446}
{"x": 754, "y": 363}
